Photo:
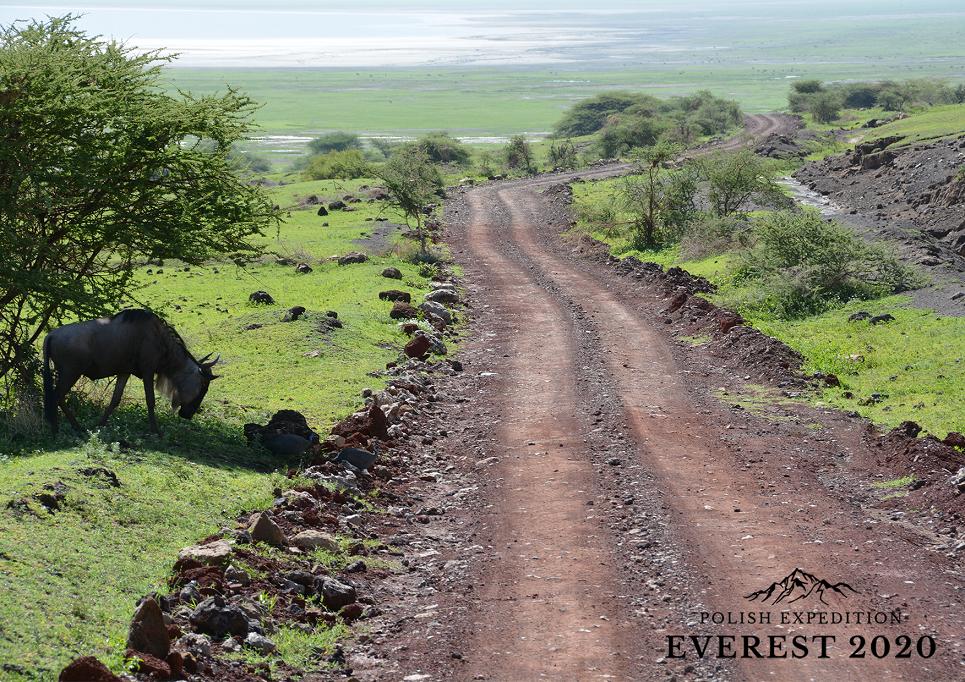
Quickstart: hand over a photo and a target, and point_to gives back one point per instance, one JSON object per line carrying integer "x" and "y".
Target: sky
{"x": 245, "y": 33}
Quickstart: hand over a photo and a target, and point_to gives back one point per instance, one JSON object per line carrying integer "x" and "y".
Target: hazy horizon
{"x": 374, "y": 33}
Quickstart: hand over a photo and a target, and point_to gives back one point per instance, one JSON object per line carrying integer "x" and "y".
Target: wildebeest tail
{"x": 50, "y": 400}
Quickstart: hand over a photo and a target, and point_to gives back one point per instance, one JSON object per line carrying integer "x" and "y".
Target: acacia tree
{"x": 101, "y": 169}
{"x": 658, "y": 196}
{"x": 413, "y": 183}
{"x": 519, "y": 155}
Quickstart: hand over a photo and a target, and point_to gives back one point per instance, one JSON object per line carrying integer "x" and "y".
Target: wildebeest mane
{"x": 174, "y": 350}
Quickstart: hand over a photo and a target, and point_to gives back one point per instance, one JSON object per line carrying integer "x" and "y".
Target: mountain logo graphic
{"x": 798, "y": 586}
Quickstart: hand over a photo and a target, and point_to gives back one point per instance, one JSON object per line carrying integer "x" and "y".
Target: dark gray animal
{"x": 134, "y": 342}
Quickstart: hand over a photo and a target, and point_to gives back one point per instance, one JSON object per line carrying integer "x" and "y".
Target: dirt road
{"x": 622, "y": 496}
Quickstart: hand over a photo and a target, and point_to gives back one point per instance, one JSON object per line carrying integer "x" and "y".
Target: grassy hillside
{"x": 70, "y": 579}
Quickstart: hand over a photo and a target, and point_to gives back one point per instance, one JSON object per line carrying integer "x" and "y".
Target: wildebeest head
{"x": 191, "y": 384}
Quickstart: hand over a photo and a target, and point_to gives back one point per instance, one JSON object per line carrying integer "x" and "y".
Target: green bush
{"x": 344, "y": 165}
{"x": 334, "y": 142}
{"x": 443, "y": 148}
{"x": 712, "y": 235}
{"x": 800, "y": 265}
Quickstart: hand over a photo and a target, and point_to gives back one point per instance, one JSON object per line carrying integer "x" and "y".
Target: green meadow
{"x": 112, "y": 545}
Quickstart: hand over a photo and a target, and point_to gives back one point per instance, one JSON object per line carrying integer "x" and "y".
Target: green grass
{"x": 932, "y": 124}
{"x": 895, "y": 483}
{"x": 70, "y": 580}
{"x": 917, "y": 362}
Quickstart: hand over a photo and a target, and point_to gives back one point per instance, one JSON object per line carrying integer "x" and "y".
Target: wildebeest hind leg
{"x": 116, "y": 398}
{"x": 70, "y": 415}
{"x": 65, "y": 382}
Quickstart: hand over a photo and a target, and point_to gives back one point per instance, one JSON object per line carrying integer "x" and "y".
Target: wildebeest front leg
{"x": 70, "y": 415}
{"x": 116, "y": 398}
{"x": 149, "y": 399}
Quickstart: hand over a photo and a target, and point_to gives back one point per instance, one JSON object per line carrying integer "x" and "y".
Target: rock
{"x": 908, "y": 428}
{"x": 351, "y": 612}
{"x": 315, "y": 539}
{"x": 437, "y": 309}
{"x": 152, "y": 666}
{"x": 261, "y": 298}
{"x": 193, "y": 643}
{"x": 176, "y": 662}
{"x": 148, "y": 633}
{"x": 352, "y": 257}
{"x": 189, "y": 593}
{"x": 727, "y": 320}
{"x": 881, "y": 319}
{"x": 236, "y": 575}
{"x": 335, "y": 595}
{"x": 356, "y": 567}
{"x": 395, "y": 295}
{"x": 858, "y": 316}
{"x": 214, "y": 617}
{"x": 337, "y": 205}
{"x": 392, "y": 273}
{"x": 403, "y": 311}
{"x": 293, "y": 314}
{"x": 954, "y": 439}
{"x": 447, "y": 296}
{"x": 322, "y": 211}
{"x": 210, "y": 554}
{"x": 87, "y": 669}
{"x": 263, "y": 529}
{"x": 259, "y": 643}
{"x": 52, "y": 496}
{"x": 357, "y": 457}
{"x": 418, "y": 346}
{"x": 303, "y": 268}
{"x": 410, "y": 328}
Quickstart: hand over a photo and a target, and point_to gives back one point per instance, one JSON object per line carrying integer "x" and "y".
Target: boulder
{"x": 395, "y": 295}
{"x": 259, "y": 643}
{"x": 882, "y": 319}
{"x": 859, "y": 316}
{"x": 403, "y": 311}
{"x": 322, "y": 211}
{"x": 444, "y": 295}
{"x": 335, "y": 594}
{"x": 418, "y": 346}
{"x": 352, "y": 257}
{"x": 216, "y": 618}
{"x": 293, "y": 314}
{"x": 337, "y": 205}
{"x": 261, "y": 298}
{"x": 303, "y": 268}
{"x": 153, "y": 667}
{"x": 148, "y": 634}
{"x": 315, "y": 539}
{"x": 392, "y": 273}
{"x": 437, "y": 309}
{"x": 87, "y": 669}
{"x": 233, "y": 574}
{"x": 954, "y": 440}
{"x": 263, "y": 529}
{"x": 209, "y": 554}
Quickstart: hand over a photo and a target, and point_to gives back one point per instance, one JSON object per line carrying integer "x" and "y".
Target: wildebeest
{"x": 134, "y": 342}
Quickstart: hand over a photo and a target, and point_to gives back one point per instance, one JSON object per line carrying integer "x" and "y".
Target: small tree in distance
{"x": 519, "y": 155}
{"x": 413, "y": 183}
{"x": 736, "y": 178}
{"x": 659, "y": 199}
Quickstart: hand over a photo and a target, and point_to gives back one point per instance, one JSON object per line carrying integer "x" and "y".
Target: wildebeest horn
{"x": 213, "y": 362}
{"x": 202, "y": 360}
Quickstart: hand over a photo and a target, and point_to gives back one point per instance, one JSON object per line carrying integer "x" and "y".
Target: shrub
{"x": 443, "y": 148}
{"x": 801, "y": 265}
{"x": 562, "y": 155}
{"x": 590, "y": 115}
{"x": 825, "y": 107}
{"x": 712, "y": 235}
{"x": 519, "y": 155}
{"x": 737, "y": 178}
{"x": 807, "y": 87}
{"x": 344, "y": 165}
{"x": 660, "y": 200}
{"x": 334, "y": 142}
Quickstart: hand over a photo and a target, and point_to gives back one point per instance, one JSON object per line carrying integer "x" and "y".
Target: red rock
{"x": 677, "y": 301}
{"x": 403, "y": 311}
{"x": 418, "y": 346}
{"x": 87, "y": 669}
{"x": 147, "y": 632}
{"x": 150, "y": 665}
{"x": 410, "y": 328}
{"x": 351, "y": 612}
{"x": 176, "y": 662}
{"x": 378, "y": 424}
{"x": 727, "y": 320}
{"x": 954, "y": 439}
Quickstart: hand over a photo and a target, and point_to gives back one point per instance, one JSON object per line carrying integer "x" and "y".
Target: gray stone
{"x": 214, "y": 617}
{"x": 315, "y": 539}
{"x": 335, "y": 595}
{"x": 263, "y": 529}
{"x": 448, "y": 296}
{"x": 392, "y": 273}
{"x": 259, "y": 643}
{"x": 236, "y": 575}
{"x": 199, "y": 645}
{"x": 211, "y": 554}
{"x": 437, "y": 309}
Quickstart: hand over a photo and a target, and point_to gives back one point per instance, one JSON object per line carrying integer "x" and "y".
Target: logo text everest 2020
{"x": 809, "y": 593}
